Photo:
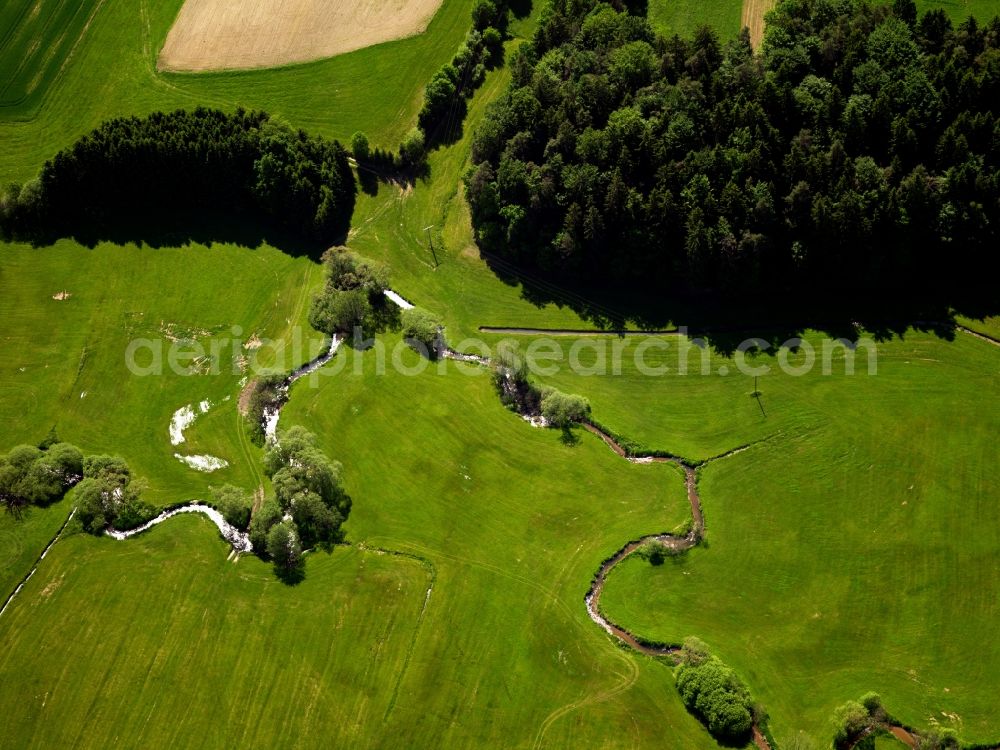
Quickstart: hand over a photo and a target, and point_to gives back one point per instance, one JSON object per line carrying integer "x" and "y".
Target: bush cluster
{"x": 517, "y": 392}
{"x": 563, "y": 409}
{"x": 354, "y": 294}
{"x": 860, "y": 151}
{"x": 422, "y": 331}
{"x": 445, "y": 106}
{"x": 32, "y": 475}
{"x": 310, "y": 502}
{"x": 268, "y": 392}
{"x": 714, "y": 693}
{"x": 234, "y": 504}
{"x": 107, "y": 497}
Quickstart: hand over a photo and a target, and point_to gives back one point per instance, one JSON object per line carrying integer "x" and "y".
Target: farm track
{"x": 753, "y": 18}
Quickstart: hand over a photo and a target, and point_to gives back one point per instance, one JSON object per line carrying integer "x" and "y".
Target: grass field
{"x": 959, "y": 10}
{"x": 988, "y": 326}
{"x": 36, "y": 40}
{"x": 863, "y": 531}
{"x": 64, "y": 363}
{"x": 113, "y": 72}
{"x": 160, "y": 641}
{"x": 23, "y": 539}
{"x": 673, "y": 17}
{"x": 513, "y": 522}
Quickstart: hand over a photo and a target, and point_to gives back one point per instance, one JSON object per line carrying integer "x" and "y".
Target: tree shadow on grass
{"x": 724, "y": 321}
{"x": 569, "y": 436}
{"x": 381, "y": 168}
{"x": 292, "y": 576}
{"x": 160, "y": 230}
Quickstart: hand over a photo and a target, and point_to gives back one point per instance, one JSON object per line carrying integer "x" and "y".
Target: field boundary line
{"x": 38, "y": 562}
{"x": 978, "y": 335}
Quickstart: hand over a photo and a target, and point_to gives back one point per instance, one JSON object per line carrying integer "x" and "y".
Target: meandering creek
{"x": 675, "y": 543}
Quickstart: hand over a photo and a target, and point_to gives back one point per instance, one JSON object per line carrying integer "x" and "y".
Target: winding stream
{"x": 674, "y": 542}
{"x": 239, "y": 540}
{"x": 273, "y": 413}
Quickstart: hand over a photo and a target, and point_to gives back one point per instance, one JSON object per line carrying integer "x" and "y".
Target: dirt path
{"x": 753, "y": 19}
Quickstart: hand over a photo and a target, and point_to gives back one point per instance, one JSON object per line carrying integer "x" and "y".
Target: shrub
{"x": 654, "y": 551}
{"x": 849, "y": 721}
{"x": 411, "y": 151}
{"x": 873, "y": 705}
{"x": 714, "y": 693}
{"x": 33, "y": 476}
{"x": 307, "y": 485}
{"x": 510, "y": 377}
{"x": 315, "y": 521}
{"x": 354, "y": 288}
{"x": 132, "y": 512}
{"x": 339, "y": 312}
{"x": 268, "y": 393}
{"x": 939, "y": 739}
{"x": 106, "y": 496}
{"x": 422, "y": 330}
{"x": 283, "y": 546}
{"x": 562, "y": 409}
{"x": 92, "y": 506}
{"x": 267, "y": 516}
{"x": 484, "y": 14}
{"x": 493, "y": 43}
{"x": 360, "y": 146}
{"x": 234, "y": 504}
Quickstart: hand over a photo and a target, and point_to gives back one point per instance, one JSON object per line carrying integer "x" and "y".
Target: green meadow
{"x": 683, "y": 18}
{"x": 851, "y": 548}
{"x": 64, "y": 364}
{"x": 223, "y": 653}
{"x": 852, "y": 542}
{"x": 36, "y": 40}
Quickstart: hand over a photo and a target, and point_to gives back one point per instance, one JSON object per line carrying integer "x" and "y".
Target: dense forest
{"x": 242, "y": 164}
{"x": 860, "y": 149}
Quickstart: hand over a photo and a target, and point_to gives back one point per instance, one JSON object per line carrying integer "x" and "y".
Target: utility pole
{"x": 430, "y": 242}
{"x": 756, "y": 395}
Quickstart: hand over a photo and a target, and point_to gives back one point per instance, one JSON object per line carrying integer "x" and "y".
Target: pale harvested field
{"x": 753, "y": 19}
{"x": 231, "y": 34}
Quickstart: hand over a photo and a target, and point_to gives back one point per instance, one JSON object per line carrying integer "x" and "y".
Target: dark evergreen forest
{"x": 858, "y": 152}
